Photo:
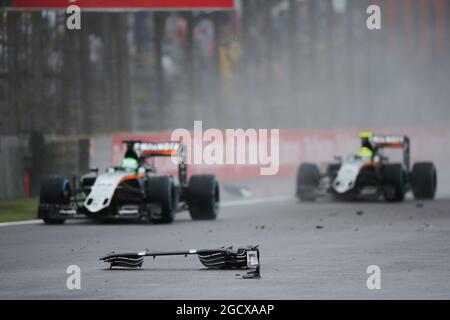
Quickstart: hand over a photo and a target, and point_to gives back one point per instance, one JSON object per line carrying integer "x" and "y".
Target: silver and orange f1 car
{"x": 132, "y": 190}
{"x": 368, "y": 174}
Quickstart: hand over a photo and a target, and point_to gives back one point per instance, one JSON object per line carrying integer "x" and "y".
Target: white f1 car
{"x": 132, "y": 190}
{"x": 369, "y": 176}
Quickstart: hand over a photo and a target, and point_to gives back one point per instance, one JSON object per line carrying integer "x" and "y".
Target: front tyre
{"x": 394, "y": 183}
{"x": 424, "y": 180}
{"x": 161, "y": 190}
{"x": 55, "y": 192}
{"x": 308, "y": 178}
{"x": 203, "y": 197}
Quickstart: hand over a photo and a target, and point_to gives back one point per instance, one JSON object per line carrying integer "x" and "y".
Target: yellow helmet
{"x": 366, "y": 135}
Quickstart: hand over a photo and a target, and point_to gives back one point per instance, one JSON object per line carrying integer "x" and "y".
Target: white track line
{"x": 19, "y": 223}
{"x": 255, "y": 201}
{"x": 223, "y": 205}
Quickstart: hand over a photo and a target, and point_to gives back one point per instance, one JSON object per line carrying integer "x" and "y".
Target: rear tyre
{"x": 203, "y": 197}
{"x": 161, "y": 190}
{"x": 55, "y": 192}
{"x": 424, "y": 180}
{"x": 308, "y": 177}
{"x": 394, "y": 177}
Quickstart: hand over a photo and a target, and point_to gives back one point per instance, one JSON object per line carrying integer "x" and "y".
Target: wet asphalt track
{"x": 318, "y": 250}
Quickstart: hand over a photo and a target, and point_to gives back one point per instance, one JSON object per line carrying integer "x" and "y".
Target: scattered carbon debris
{"x": 356, "y": 229}
{"x": 359, "y": 212}
{"x": 319, "y": 227}
{"x": 424, "y": 227}
{"x": 419, "y": 205}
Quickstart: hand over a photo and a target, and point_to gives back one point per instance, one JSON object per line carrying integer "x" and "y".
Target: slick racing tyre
{"x": 161, "y": 190}
{"x": 308, "y": 177}
{"x": 55, "y": 192}
{"x": 203, "y": 197}
{"x": 424, "y": 180}
{"x": 394, "y": 183}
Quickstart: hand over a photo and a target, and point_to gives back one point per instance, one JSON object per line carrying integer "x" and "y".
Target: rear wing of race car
{"x": 161, "y": 149}
{"x": 394, "y": 141}
{"x": 173, "y": 149}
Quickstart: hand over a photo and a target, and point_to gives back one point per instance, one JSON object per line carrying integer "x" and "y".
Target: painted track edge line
{"x": 250, "y": 201}
{"x": 19, "y": 223}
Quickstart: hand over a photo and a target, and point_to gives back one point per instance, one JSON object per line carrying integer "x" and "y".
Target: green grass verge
{"x": 18, "y": 209}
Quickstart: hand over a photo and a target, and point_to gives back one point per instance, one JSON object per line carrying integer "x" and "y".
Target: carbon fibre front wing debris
{"x": 222, "y": 258}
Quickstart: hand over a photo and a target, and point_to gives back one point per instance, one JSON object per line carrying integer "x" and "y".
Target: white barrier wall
{"x": 311, "y": 145}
